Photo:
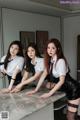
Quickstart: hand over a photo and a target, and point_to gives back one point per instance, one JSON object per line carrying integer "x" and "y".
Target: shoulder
{"x": 39, "y": 64}
{"x": 61, "y": 64}
{"x": 61, "y": 61}
{"x": 39, "y": 59}
{"x": 20, "y": 58}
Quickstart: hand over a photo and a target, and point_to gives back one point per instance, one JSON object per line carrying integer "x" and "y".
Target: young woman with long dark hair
{"x": 12, "y": 64}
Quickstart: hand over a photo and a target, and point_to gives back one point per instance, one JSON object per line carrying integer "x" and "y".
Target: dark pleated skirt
{"x": 71, "y": 87}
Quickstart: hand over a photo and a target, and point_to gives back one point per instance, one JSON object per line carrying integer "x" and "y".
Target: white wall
{"x": 15, "y": 21}
{"x": 71, "y": 30}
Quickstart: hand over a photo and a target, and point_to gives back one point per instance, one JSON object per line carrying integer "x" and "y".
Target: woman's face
{"x": 51, "y": 49}
{"x": 14, "y": 49}
{"x": 31, "y": 53}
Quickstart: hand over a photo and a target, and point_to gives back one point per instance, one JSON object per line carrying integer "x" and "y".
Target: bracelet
{"x": 13, "y": 79}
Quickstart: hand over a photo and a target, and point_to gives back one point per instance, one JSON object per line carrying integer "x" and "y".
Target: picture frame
{"x": 41, "y": 39}
{"x": 26, "y": 37}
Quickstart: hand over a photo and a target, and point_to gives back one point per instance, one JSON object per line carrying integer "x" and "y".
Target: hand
{"x": 17, "y": 88}
{"x": 5, "y": 90}
{"x": 45, "y": 95}
{"x": 31, "y": 92}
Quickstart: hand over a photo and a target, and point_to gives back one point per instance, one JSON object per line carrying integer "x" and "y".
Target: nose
{"x": 30, "y": 53}
{"x": 13, "y": 50}
{"x": 51, "y": 50}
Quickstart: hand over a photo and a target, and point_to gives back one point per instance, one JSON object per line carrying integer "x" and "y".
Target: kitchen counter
{"x": 22, "y": 107}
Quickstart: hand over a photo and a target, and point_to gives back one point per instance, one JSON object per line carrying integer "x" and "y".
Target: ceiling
{"x": 49, "y": 7}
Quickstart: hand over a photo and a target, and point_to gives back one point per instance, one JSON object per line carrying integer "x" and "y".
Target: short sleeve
{"x": 20, "y": 63}
{"x": 61, "y": 67}
{"x": 39, "y": 66}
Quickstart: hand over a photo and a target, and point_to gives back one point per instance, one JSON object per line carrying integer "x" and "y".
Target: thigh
{"x": 73, "y": 105}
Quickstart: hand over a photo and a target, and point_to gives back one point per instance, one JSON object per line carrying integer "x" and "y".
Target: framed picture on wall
{"x": 26, "y": 37}
{"x": 41, "y": 39}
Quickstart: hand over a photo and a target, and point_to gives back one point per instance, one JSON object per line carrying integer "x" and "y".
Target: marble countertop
{"x": 21, "y": 105}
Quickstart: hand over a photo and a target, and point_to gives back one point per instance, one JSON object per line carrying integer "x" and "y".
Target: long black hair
{"x": 28, "y": 64}
{"x": 20, "y": 53}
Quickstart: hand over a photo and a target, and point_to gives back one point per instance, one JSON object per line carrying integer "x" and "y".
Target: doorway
{"x": 78, "y": 58}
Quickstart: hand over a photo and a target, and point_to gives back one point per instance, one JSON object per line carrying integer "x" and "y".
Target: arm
{"x": 12, "y": 82}
{"x": 31, "y": 79}
{"x": 25, "y": 82}
{"x": 19, "y": 86}
{"x": 56, "y": 87}
{"x": 25, "y": 76}
{"x": 13, "y": 78}
{"x": 43, "y": 76}
{"x": 18, "y": 66}
{"x": 41, "y": 80}
{"x": 2, "y": 73}
{"x": 61, "y": 69}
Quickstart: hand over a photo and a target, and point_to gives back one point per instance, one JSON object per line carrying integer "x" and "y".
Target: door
{"x": 78, "y": 57}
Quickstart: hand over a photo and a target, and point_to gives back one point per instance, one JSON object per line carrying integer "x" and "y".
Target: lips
{"x": 31, "y": 56}
{"x": 50, "y": 53}
{"x": 12, "y": 53}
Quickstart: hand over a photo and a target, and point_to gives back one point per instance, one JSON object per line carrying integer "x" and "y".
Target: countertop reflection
{"x": 20, "y": 105}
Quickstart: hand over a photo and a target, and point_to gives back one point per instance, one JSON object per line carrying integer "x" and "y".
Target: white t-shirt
{"x": 59, "y": 68}
{"x": 17, "y": 62}
{"x": 39, "y": 64}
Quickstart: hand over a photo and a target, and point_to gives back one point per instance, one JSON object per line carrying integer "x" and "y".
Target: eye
{"x": 48, "y": 47}
{"x": 28, "y": 51}
{"x": 16, "y": 48}
{"x": 32, "y": 50}
{"x": 53, "y": 48}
